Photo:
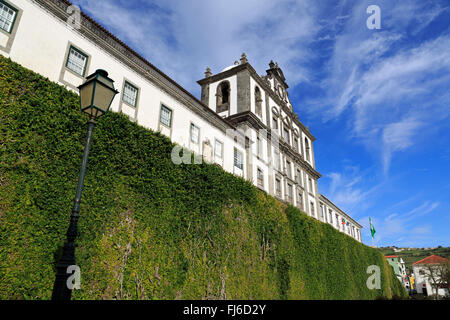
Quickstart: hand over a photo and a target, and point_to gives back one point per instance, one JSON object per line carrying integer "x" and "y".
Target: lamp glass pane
{"x": 86, "y": 95}
{"x": 103, "y": 97}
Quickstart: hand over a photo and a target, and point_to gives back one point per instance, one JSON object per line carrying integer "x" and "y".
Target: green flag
{"x": 372, "y": 229}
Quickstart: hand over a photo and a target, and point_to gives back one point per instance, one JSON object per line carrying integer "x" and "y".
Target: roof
{"x": 391, "y": 256}
{"x": 149, "y": 64}
{"x": 325, "y": 199}
{"x": 433, "y": 259}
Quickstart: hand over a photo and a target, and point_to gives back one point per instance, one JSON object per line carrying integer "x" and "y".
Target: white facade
{"x": 253, "y": 112}
{"x": 423, "y": 284}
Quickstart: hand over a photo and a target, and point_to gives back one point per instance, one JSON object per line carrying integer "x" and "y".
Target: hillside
{"x": 411, "y": 255}
{"x": 150, "y": 229}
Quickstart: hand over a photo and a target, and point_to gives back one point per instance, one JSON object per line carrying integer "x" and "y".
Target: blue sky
{"x": 378, "y": 101}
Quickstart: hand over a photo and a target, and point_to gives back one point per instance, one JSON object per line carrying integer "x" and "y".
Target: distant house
{"x": 399, "y": 267}
{"x": 421, "y": 271}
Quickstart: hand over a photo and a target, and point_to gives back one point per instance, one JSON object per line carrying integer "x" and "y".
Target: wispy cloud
{"x": 183, "y": 37}
{"x": 389, "y": 87}
{"x": 391, "y": 227}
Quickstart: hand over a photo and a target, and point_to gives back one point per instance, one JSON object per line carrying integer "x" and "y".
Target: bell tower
{"x": 227, "y": 92}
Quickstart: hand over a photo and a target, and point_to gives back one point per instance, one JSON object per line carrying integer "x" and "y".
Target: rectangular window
{"x": 166, "y": 116}
{"x": 330, "y": 216}
{"x": 321, "y": 211}
{"x": 77, "y": 61}
{"x": 195, "y": 133}
{"x": 296, "y": 144}
{"x": 310, "y": 185}
{"x": 289, "y": 192}
{"x": 300, "y": 200}
{"x": 286, "y": 135}
{"x": 337, "y": 220}
{"x": 312, "y": 209}
{"x": 218, "y": 149}
{"x": 238, "y": 163}
{"x": 299, "y": 177}
{"x": 260, "y": 177}
{"x": 7, "y": 17}
{"x": 130, "y": 94}
{"x": 288, "y": 168}
{"x": 275, "y": 122}
{"x": 278, "y": 186}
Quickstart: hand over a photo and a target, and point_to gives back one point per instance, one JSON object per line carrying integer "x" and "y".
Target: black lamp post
{"x": 96, "y": 96}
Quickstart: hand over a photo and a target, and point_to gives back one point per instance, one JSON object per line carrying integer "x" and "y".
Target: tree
{"x": 438, "y": 275}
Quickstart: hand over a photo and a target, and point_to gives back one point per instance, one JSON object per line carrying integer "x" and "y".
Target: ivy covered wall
{"x": 150, "y": 229}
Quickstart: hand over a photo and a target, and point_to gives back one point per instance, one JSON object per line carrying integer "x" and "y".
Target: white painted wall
{"x": 41, "y": 44}
{"x": 421, "y": 279}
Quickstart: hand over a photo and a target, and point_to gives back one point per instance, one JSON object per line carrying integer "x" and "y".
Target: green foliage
{"x": 150, "y": 229}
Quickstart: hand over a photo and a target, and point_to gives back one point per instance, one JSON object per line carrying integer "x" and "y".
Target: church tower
{"x": 261, "y": 108}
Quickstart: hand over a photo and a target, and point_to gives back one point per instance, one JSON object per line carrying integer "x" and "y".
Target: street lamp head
{"x": 97, "y": 94}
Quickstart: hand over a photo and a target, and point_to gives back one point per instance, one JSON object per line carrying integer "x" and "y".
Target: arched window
{"x": 307, "y": 149}
{"x": 258, "y": 102}
{"x": 223, "y": 97}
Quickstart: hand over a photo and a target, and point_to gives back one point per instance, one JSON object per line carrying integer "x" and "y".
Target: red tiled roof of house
{"x": 391, "y": 256}
{"x": 433, "y": 259}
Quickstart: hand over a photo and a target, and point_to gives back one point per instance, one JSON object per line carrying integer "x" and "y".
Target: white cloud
{"x": 387, "y": 87}
{"x": 183, "y": 37}
{"x": 398, "y": 136}
{"x": 406, "y": 224}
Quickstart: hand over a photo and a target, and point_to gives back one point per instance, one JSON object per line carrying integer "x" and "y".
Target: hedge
{"x": 150, "y": 229}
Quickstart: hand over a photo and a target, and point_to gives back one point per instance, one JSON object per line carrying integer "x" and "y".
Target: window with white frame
{"x": 289, "y": 192}
{"x": 295, "y": 144}
{"x": 260, "y": 177}
{"x": 286, "y": 135}
{"x": 195, "y": 133}
{"x": 321, "y": 211}
{"x": 7, "y": 17}
{"x": 77, "y": 61}
{"x": 310, "y": 185}
{"x": 312, "y": 208}
{"x": 300, "y": 200}
{"x": 299, "y": 176}
{"x": 218, "y": 149}
{"x": 288, "y": 168}
{"x": 278, "y": 186}
{"x": 166, "y": 116}
{"x": 274, "y": 122}
{"x": 308, "y": 156}
{"x": 238, "y": 159}
{"x": 130, "y": 94}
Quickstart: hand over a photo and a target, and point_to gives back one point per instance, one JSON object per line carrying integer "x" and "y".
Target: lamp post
{"x": 96, "y": 96}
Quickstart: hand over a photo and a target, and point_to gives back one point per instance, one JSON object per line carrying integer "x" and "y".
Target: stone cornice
{"x": 286, "y": 148}
{"x": 248, "y": 117}
{"x": 222, "y": 75}
{"x": 101, "y": 37}
{"x": 328, "y": 201}
{"x": 251, "y": 119}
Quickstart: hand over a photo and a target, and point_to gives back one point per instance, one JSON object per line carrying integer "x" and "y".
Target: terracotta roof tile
{"x": 433, "y": 259}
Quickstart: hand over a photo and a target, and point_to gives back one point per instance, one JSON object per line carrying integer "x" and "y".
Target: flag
{"x": 372, "y": 229}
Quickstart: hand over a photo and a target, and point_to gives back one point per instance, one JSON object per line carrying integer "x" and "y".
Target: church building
{"x": 243, "y": 122}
